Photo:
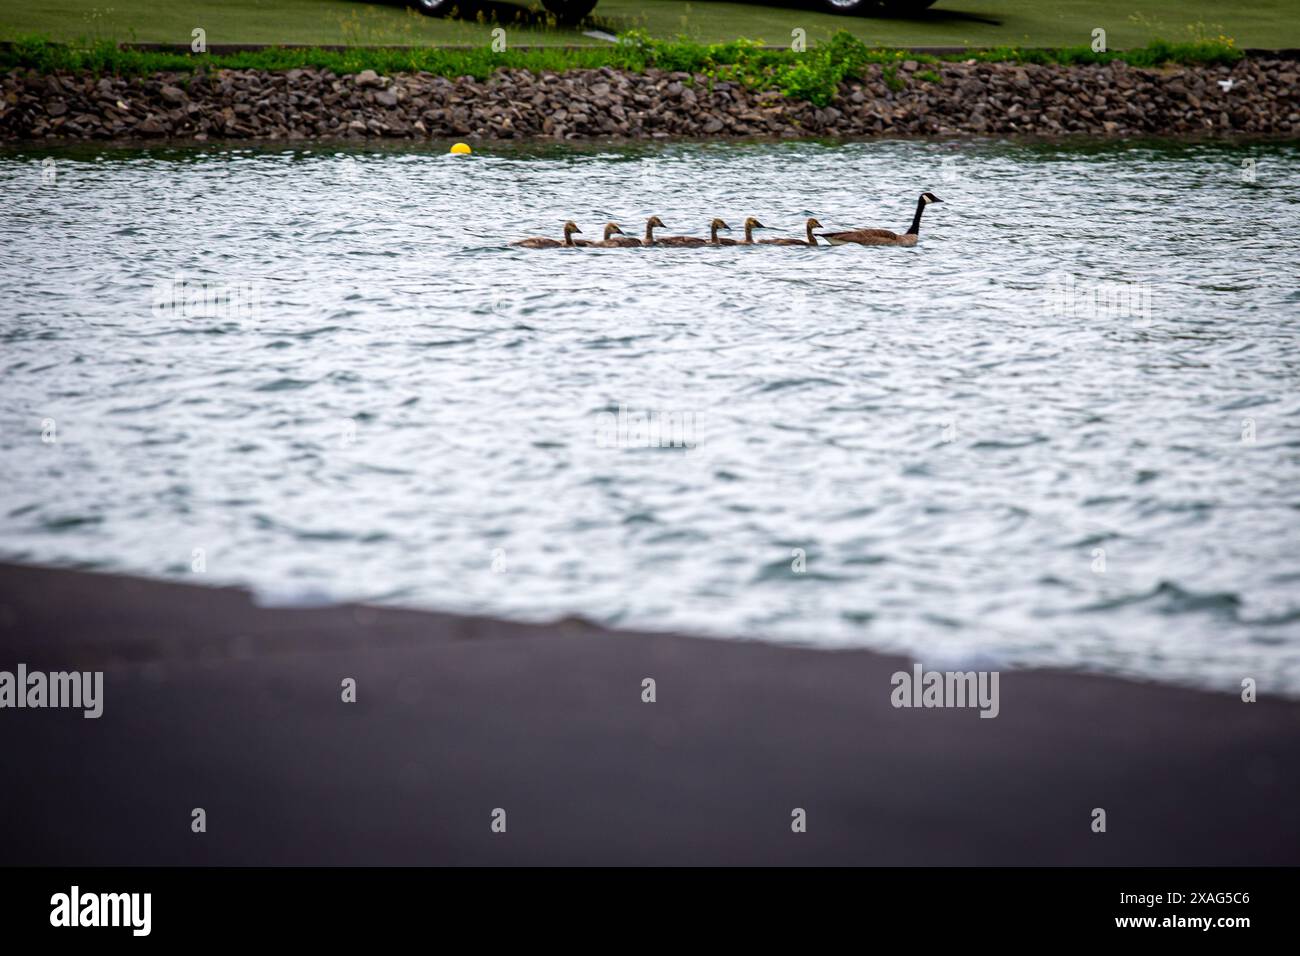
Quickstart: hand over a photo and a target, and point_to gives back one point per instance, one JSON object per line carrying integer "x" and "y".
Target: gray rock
{"x": 369, "y": 79}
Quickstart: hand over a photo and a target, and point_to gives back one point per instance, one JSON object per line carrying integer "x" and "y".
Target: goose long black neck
{"x": 916, "y": 220}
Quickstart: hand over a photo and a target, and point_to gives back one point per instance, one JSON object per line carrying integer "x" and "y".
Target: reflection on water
{"x": 1063, "y": 430}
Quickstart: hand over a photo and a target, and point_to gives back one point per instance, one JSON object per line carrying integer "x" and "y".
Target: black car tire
{"x": 569, "y": 12}
{"x": 850, "y": 7}
{"x": 440, "y": 8}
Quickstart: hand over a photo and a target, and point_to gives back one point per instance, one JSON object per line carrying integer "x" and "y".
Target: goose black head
{"x": 752, "y": 223}
{"x": 928, "y": 198}
{"x": 571, "y": 227}
{"x": 655, "y": 221}
{"x": 719, "y": 224}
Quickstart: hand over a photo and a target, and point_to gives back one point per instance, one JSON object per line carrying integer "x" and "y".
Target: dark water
{"x": 1064, "y": 430}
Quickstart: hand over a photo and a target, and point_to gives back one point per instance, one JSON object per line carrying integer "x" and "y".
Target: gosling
{"x": 750, "y": 225}
{"x": 614, "y": 238}
{"x": 541, "y": 242}
{"x": 810, "y": 241}
{"x": 650, "y": 225}
{"x": 682, "y": 241}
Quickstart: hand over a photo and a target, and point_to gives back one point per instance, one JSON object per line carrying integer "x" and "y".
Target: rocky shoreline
{"x": 1256, "y": 96}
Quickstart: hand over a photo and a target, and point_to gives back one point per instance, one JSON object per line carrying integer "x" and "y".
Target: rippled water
{"x": 963, "y": 462}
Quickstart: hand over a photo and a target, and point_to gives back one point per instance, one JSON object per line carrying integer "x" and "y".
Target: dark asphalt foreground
{"x": 211, "y": 702}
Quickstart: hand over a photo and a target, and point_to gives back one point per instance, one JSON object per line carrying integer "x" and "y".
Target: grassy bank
{"x": 811, "y": 75}
{"x": 983, "y": 23}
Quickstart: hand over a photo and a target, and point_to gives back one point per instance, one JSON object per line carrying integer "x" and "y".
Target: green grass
{"x": 984, "y": 23}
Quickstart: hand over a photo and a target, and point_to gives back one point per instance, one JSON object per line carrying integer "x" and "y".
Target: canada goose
{"x": 620, "y": 241}
{"x": 680, "y": 241}
{"x": 883, "y": 237}
{"x": 810, "y": 241}
{"x": 614, "y": 238}
{"x": 750, "y": 225}
{"x": 541, "y": 242}
{"x": 713, "y": 232}
{"x": 650, "y": 225}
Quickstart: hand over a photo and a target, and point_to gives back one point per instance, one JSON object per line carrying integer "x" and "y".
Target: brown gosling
{"x": 883, "y": 237}
{"x": 614, "y": 238}
{"x": 713, "y": 232}
{"x": 650, "y": 225}
{"x": 541, "y": 242}
{"x": 810, "y": 241}
{"x": 681, "y": 241}
{"x": 750, "y": 225}
{"x": 621, "y": 241}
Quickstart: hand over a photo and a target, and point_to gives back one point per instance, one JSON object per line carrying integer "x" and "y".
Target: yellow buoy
{"x": 461, "y": 149}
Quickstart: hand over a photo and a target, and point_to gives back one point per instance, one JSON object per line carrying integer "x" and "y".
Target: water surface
{"x": 929, "y": 449}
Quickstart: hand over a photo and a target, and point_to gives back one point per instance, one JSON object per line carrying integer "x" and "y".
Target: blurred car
{"x": 572, "y": 11}
{"x": 865, "y": 6}
{"x": 566, "y": 11}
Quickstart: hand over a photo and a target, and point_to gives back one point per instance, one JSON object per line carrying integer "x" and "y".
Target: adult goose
{"x": 883, "y": 237}
{"x": 810, "y": 241}
{"x": 750, "y": 225}
{"x": 614, "y": 238}
{"x": 541, "y": 242}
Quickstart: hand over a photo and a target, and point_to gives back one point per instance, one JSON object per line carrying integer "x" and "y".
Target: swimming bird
{"x": 541, "y": 242}
{"x": 883, "y": 237}
{"x": 614, "y": 238}
{"x": 713, "y": 232}
{"x": 681, "y": 241}
{"x": 810, "y": 241}
{"x": 650, "y": 225}
{"x": 619, "y": 242}
{"x": 750, "y": 225}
